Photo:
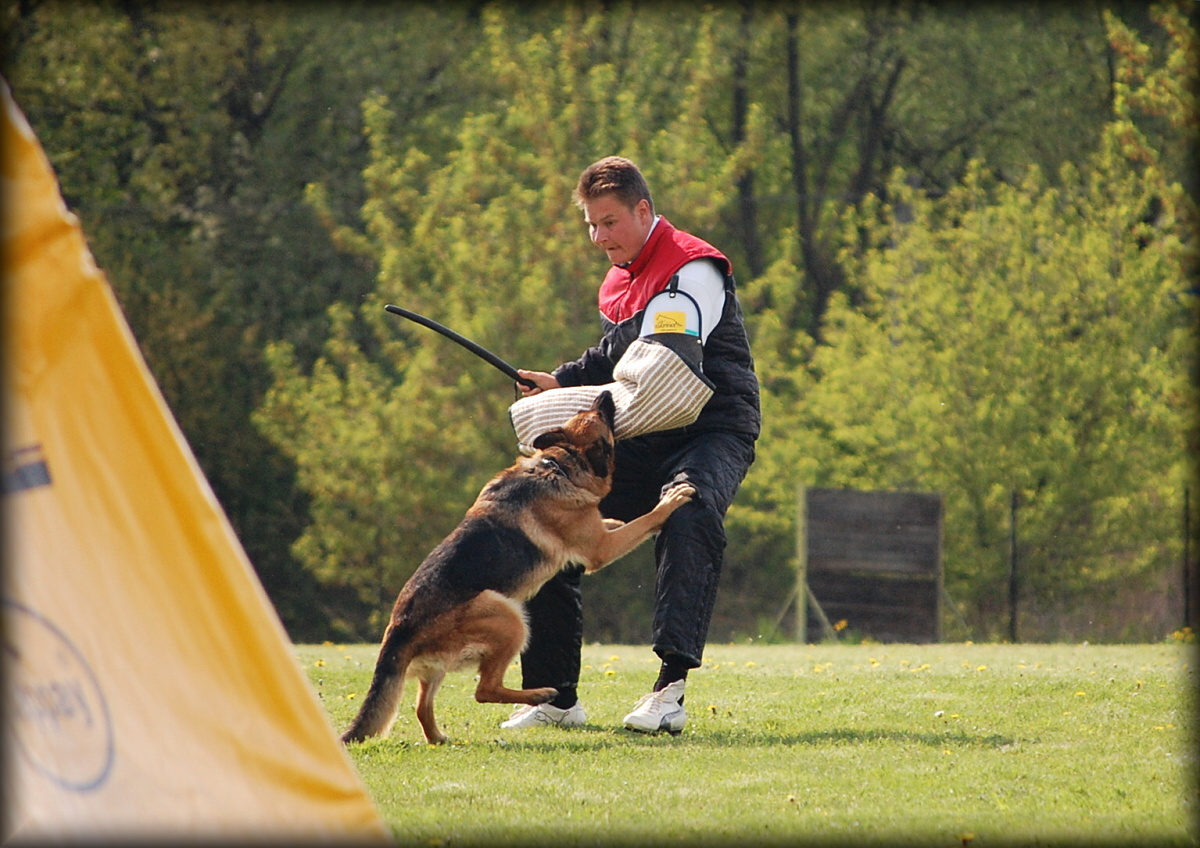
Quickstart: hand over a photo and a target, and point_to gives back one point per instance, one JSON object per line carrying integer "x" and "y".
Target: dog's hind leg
{"x": 497, "y": 625}
{"x": 428, "y": 680}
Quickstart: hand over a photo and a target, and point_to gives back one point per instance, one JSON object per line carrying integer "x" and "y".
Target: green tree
{"x": 122, "y": 98}
{"x": 995, "y": 352}
{"x": 481, "y": 235}
{"x": 798, "y": 446}
{"x": 183, "y": 136}
{"x": 436, "y": 145}
{"x": 852, "y": 91}
{"x": 394, "y": 447}
{"x": 1154, "y": 100}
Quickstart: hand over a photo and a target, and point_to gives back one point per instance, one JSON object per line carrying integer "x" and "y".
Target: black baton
{"x": 482, "y": 352}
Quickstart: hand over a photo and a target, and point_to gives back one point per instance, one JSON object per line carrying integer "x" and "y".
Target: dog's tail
{"x": 378, "y": 711}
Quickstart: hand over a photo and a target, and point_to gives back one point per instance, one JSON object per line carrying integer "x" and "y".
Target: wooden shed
{"x": 871, "y": 559}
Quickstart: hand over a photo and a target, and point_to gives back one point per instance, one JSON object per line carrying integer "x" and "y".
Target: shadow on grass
{"x": 597, "y": 738}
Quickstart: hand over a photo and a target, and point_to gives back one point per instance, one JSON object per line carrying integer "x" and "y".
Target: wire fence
{"x": 856, "y": 550}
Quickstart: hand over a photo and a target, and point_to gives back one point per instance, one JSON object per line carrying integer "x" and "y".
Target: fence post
{"x": 1013, "y": 584}
{"x": 1187, "y": 557}
{"x": 801, "y": 590}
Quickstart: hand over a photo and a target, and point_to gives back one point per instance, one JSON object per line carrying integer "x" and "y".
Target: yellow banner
{"x": 151, "y": 690}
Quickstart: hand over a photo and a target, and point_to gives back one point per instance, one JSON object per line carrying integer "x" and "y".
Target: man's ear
{"x": 550, "y": 438}
{"x": 642, "y": 210}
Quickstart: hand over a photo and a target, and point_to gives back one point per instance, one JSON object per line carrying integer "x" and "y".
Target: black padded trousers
{"x": 688, "y": 552}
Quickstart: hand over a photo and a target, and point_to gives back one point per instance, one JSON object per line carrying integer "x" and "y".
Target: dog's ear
{"x": 607, "y": 407}
{"x": 550, "y": 438}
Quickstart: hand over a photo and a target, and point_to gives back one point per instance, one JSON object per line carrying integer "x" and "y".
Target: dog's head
{"x": 590, "y": 431}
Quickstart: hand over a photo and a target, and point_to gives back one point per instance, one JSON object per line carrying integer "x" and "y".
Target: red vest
{"x": 626, "y": 291}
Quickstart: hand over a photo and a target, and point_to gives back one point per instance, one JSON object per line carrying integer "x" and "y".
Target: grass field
{"x": 933, "y": 745}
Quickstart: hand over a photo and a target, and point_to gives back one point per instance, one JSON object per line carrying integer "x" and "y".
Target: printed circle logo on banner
{"x": 58, "y": 711}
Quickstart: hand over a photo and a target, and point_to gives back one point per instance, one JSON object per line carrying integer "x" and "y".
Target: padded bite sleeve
{"x": 655, "y": 387}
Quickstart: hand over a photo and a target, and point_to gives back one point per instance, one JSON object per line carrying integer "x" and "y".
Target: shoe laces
{"x": 655, "y": 702}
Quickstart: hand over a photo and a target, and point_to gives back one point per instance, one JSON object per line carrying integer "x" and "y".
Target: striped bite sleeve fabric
{"x": 653, "y": 389}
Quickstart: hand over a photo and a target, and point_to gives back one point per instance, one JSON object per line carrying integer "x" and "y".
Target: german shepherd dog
{"x": 465, "y": 602}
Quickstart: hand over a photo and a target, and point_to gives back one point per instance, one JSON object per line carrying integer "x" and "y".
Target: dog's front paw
{"x": 676, "y": 496}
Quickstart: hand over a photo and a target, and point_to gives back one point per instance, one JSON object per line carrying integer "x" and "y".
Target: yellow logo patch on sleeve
{"x": 670, "y": 322}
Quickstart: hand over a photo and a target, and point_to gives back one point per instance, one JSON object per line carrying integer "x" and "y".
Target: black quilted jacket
{"x": 728, "y": 363}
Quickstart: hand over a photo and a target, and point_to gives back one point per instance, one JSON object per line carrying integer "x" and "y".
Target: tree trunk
{"x": 746, "y": 226}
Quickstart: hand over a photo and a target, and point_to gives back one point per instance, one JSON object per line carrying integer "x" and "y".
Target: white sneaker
{"x": 659, "y": 711}
{"x": 545, "y": 715}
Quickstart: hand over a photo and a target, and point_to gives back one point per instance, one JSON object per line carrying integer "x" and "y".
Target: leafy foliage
{"x": 985, "y": 207}
{"x": 993, "y": 353}
{"x": 452, "y": 242}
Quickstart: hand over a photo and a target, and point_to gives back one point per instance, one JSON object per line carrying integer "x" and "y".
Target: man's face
{"x": 616, "y": 228}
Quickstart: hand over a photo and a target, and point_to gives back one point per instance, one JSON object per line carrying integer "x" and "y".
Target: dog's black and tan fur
{"x": 464, "y": 604}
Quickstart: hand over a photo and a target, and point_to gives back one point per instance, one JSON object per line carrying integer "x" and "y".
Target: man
{"x": 675, "y": 353}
